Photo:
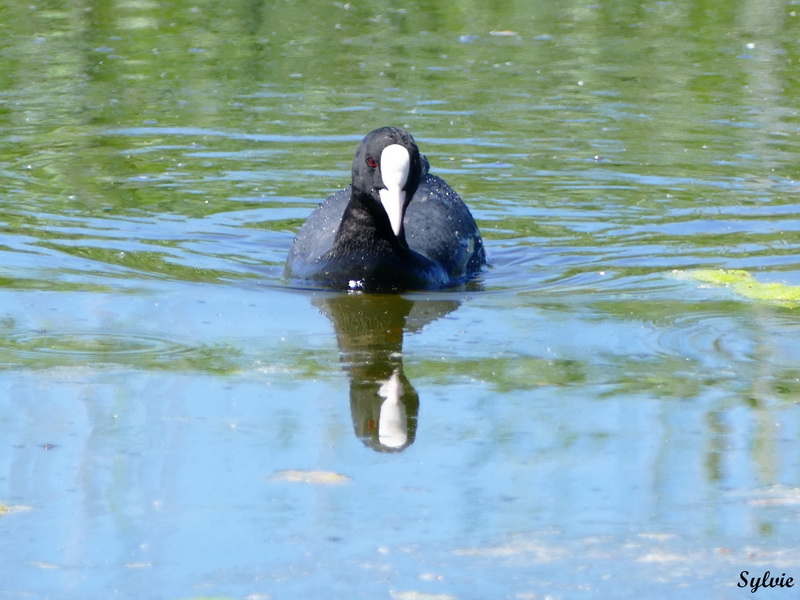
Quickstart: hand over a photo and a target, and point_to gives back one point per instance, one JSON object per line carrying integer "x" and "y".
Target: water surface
{"x": 583, "y": 421}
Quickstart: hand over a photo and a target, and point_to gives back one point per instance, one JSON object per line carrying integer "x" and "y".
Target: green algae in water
{"x": 744, "y": 284}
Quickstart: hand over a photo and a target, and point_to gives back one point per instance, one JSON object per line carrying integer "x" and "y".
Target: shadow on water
{"x": 369, "y": 332}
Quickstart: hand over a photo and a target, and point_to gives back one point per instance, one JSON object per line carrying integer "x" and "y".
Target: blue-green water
{"x": 585, "y": 421}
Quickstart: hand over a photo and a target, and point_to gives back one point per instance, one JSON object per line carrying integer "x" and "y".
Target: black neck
{"x": 366, "y": 225}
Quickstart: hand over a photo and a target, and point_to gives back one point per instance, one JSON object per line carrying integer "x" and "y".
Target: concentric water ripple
{"x": 43, "y": 349}
{"x": 703, "y": 335}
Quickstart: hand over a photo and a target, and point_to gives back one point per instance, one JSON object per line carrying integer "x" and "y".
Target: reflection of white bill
{"x": 392, "y": 423}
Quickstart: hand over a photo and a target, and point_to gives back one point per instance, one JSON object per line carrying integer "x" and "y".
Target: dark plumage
{"x": 397, "y": 227}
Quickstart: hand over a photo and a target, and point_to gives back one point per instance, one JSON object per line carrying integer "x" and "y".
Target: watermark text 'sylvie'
{"x": 765, "y": 581}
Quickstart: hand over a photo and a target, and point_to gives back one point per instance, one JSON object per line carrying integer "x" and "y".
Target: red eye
{"x": 371, "y": 162}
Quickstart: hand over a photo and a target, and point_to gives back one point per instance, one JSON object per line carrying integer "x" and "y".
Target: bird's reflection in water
{"x": 369, "y": 330}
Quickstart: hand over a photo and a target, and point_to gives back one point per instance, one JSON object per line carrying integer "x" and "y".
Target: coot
{"x": 396, "y": 227}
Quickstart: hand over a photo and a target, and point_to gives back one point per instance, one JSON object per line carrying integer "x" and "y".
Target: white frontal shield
{"x": 395, "y": 163}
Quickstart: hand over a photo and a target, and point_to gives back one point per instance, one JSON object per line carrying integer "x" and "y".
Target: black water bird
{"x": 396, "y": 227}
